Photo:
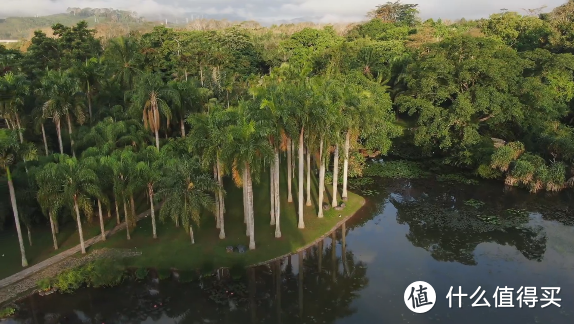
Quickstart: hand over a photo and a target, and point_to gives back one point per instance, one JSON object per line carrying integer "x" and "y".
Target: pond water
{"x": 443, "y": 234}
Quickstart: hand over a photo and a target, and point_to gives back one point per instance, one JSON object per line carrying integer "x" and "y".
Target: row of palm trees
{"x": 288, "y": 112}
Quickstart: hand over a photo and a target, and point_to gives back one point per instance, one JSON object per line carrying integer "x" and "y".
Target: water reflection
{"x": 409, "y": 231}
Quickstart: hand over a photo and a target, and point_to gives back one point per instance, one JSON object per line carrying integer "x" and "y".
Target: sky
{"x": 276, "y": 10}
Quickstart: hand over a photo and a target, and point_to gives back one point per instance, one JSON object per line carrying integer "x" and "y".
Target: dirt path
{"x": 61, "y": 256}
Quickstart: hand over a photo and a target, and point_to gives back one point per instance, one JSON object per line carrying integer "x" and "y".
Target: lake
{"x": 447, "y": 235}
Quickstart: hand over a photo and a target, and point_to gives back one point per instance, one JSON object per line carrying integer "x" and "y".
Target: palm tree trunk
{"x": 289, "y": 170}
{"x": 157, "y": 139}
{"x": 245, "y": 203}
{"x": 79, "y": 226}
{"x": 344, "y": 249}
{"x": 300, "y": 184}
{"x": 44, "y": 138}
{"x": 29, "y": 235}
{"x": 250, "y": 207}
{"x": 109, "y": 212}
{"x": 272, "y": 191}
{"x": 191, "y": 234}
{"x": 101, "y": 220}
{"x": 217, "y": 205}
{"x": 321, "y": 179}
{"x": 182, "y": 125}
{"x": 59, "y": 131}
{"x": 53, "y": 228}
{"x": 117, "y": 213}
{"x": 334, "y": 203}
{"x": 89, "y": 100}
{"x": 16, "y": 218}
{"x": 127, "y": 220}
{"x": 57, "y": 225}
{"x": 221, "y": 200}
{"x": 300, "y": 282}
{"x": 19, "y": 129}
{"x": 334, "y": 256}
{"x": 320, "y": 257}
{"x": 152, "y": 211}
{"x": 276, "y": 194}
{"x": 133, "y": 207}
{"x": 345, "y": 166}
{"x": 308, "y": 178}
{"x": 70, "y": 133}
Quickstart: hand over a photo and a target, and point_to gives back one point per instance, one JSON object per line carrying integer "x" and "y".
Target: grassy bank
{"x": 173, "y": 249}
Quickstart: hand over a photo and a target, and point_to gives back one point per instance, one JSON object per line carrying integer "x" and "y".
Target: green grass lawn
{"x": 173, "y": 249}
{"x": 42, "y": 246}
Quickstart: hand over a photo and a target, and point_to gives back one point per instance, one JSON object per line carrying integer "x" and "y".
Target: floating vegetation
{"x": 518, "y": 214}
{"x": 396, "y": 169}
{"x": 369, "y": 192}
{"x": 456, "y": 178}
{"x": 474, "y": 203}
{"x": 489, "y": 219}
{"x": 355, "y": 183}
{"x": 141, "y": 273}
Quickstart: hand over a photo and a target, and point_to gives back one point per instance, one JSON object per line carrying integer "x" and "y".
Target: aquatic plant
{"x": 456, "y": 178}
{"x": 474, "y": 203}
{"x": 355, "y": 183}
{"x": 141, "y": 273}
{"x": 396, "y": 170}
{"x": 7, "y": 312}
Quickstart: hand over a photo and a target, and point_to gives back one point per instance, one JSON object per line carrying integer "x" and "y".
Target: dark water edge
{"x": 447, "y": 235}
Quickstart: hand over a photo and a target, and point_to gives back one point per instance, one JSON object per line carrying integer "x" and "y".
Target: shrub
{"x": 70, "y": 280}
{"x": 141, "y": 273}
{"x": 396, "y": 170}
{"x": 163, "y": 274}
{"x": 44, "y": 284}
{"x": 106, "y": 273}
{"x": 7, "y": 312}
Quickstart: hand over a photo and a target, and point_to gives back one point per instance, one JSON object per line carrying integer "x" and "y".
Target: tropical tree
{"x": 50, "y": 197}
{"x": 10, "y": 150}
{"x": 89, "y": 74}
{"x": 13, "y": 91}
{"x": 64, "y": 100}
{"x": 152, "y": 96}
{"x": 149, "y": 172}
{"x": 185, "y": 191}
{"x": 121, "y": 57}
{"x": 192, "y": 99}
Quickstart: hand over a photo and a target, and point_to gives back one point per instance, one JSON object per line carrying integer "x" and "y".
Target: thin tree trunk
{"x": 321, "y": 179}
{"x": 109, "y": 212}
{"x": 29, "y": 235}
{"x": 191, "y": 234}
{"x": 221, "y": 200}
{"x": 320, "y": 256}
{"x": 245, "y": 203}
{"x": 19, "y": 129}
{"x": 250, "y": 208}
{"x": 79, "y": 226}
{"x": 300, "y": 283}
{"x": 334, "y": 256}
{"x": 344, "y": 249}
{"x": 308, "y": 178}
{"x": 101, "y": 220}
{"x": 182, "y": 125}
{"x": 133, "y": 206}
{"x": 201, "y": 74}
{"x": 44, "y": 138}
{"x": 334, "y": 203}
{"x": 152, "y": 211}
{"x": 217, "y": 205}
{"x": 57, "y": 224}
{"x": 289, "y": 170}
{"x": 59, "y": 131}
{"x": 300, "y": 184}
{"x": 117, "y": 213}
{"x": 16, "y": 218}
{"x": 53, "y": 231}
{"x": 89, "y": 100}
{"x": 277, "y": 197}
{"x": 346, "y": 166}
{"x": 127, "y": 220}
{"x": 272, "y": 191}
{"x": 157, "y": 139}
{"x": 70, "y": 133}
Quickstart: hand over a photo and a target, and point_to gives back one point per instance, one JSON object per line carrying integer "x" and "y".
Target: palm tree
{"x": 192, "y": 99}
{"x": 246, "y": 148}
{"x": 185, "y": 191}
{"x": 121, "y": 55}
{"x": 148, "y": 170}
{"x": 13, "y": 90}
{"x": 152, "y": 95}
{"x": 10, "y": 149}
{"x": 64, "y": 99}
{"x": 89, "y": 74}
{"x": 207, "y": 138}
{"x": 79, "y": 184}
{"x": 39, "y": 120}
{"x": 50, "y": 197}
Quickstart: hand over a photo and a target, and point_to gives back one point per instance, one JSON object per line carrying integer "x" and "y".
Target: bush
{"x": 163, "y": 274}
{"x": 7, "y": 312}
{"x": 396, "y": 170}
{"x": 70, "y": 280}
{"x": 486, "y": 172}
{"x": 44, "y": 284}
{"x": 141, "y": 273}
{"x": 106, "y": 273}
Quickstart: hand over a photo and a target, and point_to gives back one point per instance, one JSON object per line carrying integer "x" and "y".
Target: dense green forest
{"x": 91, "y": 123}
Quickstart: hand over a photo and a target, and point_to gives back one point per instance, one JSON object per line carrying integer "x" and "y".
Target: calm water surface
{"x": 446, "y": 235}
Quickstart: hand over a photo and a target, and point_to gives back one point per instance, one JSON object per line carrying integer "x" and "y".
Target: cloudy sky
{"x": 274, "y": 10}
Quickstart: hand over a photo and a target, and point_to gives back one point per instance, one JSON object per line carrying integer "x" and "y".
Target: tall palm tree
{"x": 13, "y": 90}
{"x": 185, "y": 191}
{"x": 193, "y": 98}
{"x": 152, "y": 95}
{"x": 207, "y": 139}
{"x": 121, "y": 56}
{"x": 246, "y": 148}
{"x": 63, "y": 100}
{"x": 148, "y": 170}
{"x": 50, "y": 197}
{"x": 10, "y": 149}
{"x": 79, "y": 185}
{"x": 89, "y": 74}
